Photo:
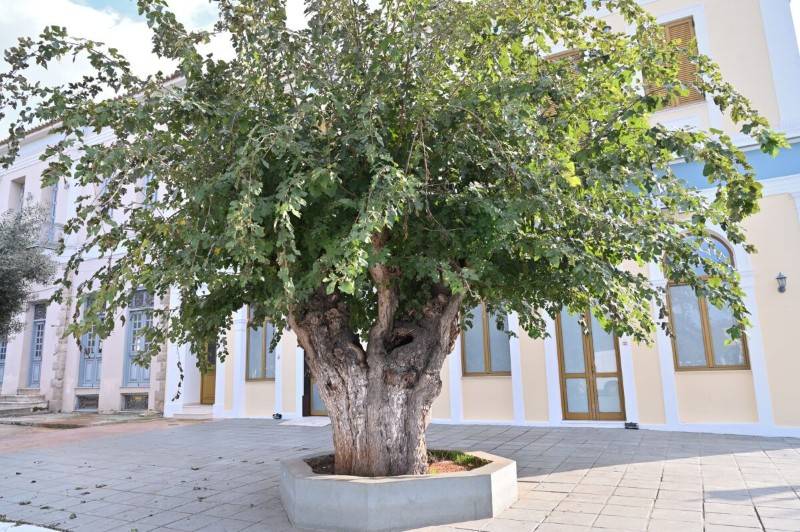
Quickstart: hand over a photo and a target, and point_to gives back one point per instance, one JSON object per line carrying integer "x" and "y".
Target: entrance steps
{"x": 195, "y": 411}
{"x": 22, "y": 404}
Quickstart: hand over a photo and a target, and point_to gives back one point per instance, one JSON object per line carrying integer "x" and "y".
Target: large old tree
{"x": 366, "y": 179}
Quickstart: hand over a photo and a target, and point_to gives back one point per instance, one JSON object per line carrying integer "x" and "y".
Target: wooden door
{"x": 208, "y": 380}
{"x": 591, "y": 379}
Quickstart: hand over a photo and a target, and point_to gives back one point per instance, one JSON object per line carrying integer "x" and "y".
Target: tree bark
{"x": 379, "y": 397}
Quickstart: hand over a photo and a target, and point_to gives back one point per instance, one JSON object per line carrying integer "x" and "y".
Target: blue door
{"x": 140, "y": 316}
{"x": 37, "y": 344}
{"x": 91, "y": 357}
{"x": 3, "y": 349}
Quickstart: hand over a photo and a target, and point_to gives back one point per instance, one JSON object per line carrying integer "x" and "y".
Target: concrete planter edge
{"x": 340, "y": 502}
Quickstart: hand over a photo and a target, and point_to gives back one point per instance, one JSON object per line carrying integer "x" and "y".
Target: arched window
{"x": 485, "y": 349}
{"x": 699, "y": 339}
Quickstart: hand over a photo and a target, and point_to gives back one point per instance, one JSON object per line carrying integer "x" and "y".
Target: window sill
{"x": 716, "y": 368}
{"x": 493, "y": 374}
{"x": 260, "y": 379}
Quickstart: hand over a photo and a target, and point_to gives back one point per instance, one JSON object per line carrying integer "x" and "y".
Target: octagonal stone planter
{"x": 340, "y": 502}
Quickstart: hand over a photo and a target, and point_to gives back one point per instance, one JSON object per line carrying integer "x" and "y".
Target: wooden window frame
{"x": 705, "y": 326}
{"x": 487, "y": 353}
{"x": 587, "y": 345}
{"x": 694, "y": 97}
{"x": 264, "y": 353}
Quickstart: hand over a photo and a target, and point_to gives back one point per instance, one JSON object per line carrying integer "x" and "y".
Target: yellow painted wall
{"x": 775, "y": 231}
{"x": 259, "y": 399}
{"x": 488, "y": 398}
{"x": 647, "y": 379}
{"x": 716, "y": 396}
{"x": 534, "y": 378}
{"x": 441, "y": 405}
{"x": 737, "y": 43}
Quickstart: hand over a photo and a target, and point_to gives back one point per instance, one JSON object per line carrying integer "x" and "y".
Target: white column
{"x": 554, "y": 413}
{"x": 517, "y": 391}
{"x": 665, "y": 358}
{"x": 784, "y": 58}
{"x": 456, "y": 399}
{"x": 628, "y": 381}
{"x": 278, "y": 376}
{"x": 299, "y": 380}
{"x": 173, "y": 374}
{"x": 239, "y": 361}
{"x": 758, "y": 363}
{"x": 219, "y": 388}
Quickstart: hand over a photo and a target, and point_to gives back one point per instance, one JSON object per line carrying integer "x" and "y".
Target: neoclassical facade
{"x": 693, "y": 381}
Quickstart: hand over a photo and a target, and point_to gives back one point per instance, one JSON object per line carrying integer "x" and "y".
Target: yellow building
{"x": 694, "y": 381}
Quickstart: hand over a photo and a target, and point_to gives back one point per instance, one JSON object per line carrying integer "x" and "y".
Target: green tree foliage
{"x": 23, "y": 264}
{"x": 423, "y": 147}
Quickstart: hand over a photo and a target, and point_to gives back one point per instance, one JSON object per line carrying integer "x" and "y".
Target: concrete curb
{"x": 348, "y": 503}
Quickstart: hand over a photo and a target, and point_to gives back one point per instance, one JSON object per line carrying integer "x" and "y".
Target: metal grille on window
{"x": 87, "y": 402}
{"x": 134, "y": 401}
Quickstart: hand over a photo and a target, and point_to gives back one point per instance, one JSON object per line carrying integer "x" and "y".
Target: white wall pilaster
{"x": 779, "y": 32}
{"x": 665, "y": 358}
{"x": 554, "y": 412}
{"x": 517, "y": 391}
{"x": 299, "y": 380}
{"x": 628, "y": 380}
{"x": 239, "y": 361}
{"x": 173, "y": 374}
{"x": 456, "y": 399}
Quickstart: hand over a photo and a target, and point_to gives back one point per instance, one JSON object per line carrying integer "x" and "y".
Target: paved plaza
{"x": 223, "y": 475}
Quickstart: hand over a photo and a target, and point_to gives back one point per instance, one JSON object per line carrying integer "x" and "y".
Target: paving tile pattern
{"x": 223, "y": 476}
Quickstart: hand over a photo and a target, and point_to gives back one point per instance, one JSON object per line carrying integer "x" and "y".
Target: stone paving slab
{"x": 223, "y": 475}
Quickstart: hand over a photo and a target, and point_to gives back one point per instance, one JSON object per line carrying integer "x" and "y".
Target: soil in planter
{"x": 438, "y": 462}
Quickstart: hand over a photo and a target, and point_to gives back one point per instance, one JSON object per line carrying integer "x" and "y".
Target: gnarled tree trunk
{"x": 379, "y": 398}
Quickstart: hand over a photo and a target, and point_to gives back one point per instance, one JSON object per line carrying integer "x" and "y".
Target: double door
{"x": 91, "y": 361}
{"x": 591, "y": 380}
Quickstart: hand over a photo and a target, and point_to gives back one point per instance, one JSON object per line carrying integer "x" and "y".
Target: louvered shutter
{"x": 571, "y": 56}
{"x": 682, "y": 33}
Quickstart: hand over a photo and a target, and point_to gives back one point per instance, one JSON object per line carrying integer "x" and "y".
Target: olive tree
{"x": 23, "y": 264}
{"x": 364, "y": 180}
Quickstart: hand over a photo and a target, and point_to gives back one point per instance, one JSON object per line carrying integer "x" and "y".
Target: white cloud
{"x": 115, "y": 27}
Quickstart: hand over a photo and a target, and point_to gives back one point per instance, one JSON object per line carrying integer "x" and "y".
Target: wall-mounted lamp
{"x": 781, "y": 278}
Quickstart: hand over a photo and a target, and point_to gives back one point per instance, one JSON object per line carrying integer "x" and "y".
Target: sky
{"x": 117, "y": 23}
